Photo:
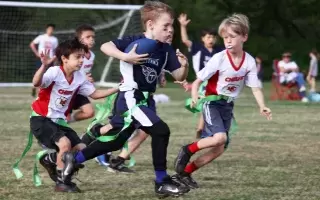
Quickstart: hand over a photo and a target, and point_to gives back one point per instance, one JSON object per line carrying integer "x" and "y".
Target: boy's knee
{"x": 221, "y": 138}
{"x": 88, "y": 110}
{"x": 64, "y": 144}
{"x": 158, "y": 129}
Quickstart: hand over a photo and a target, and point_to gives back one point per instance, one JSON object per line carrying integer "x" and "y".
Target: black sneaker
{"x": 117, "y": 165}
{"x": 69, "y": 165}
{"x": 95, "y": 130}
{"x": 182, "y": 159}
{"x": 168, "y": 187}
{"x": 186, "y": 180}
{"x": 65, "y": 186}
{"x": 49, "y": 166}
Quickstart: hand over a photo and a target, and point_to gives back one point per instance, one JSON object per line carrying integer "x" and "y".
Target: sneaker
{"x": 117, "y": 165}
{"x": 102, "y": 160}
{"x": 49, "y": 166}
{"x": 302, "y": 89}
{"x": 95, "y": 129}
{"x": 182, "y": 159}
{"x": 305, "y": 100}
{"x": 69, "y": 166}
{"x": 168, "y": 187}
{"x": 186, "y": 180}
{"x": 65, "y": 186}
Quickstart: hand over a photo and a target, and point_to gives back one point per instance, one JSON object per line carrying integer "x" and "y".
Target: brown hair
{"x": 238, "y": 22}
{"x": 152, "y": 10}
{"x": 80, "y": 29}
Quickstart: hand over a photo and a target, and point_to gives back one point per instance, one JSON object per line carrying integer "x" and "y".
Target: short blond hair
{"x": 238, "y": 22}
{"x": 151, "y": 10}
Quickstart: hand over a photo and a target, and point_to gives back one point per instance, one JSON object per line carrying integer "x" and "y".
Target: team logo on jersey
{"x": 234, "y": 79}
{"x": 231, "y": 88}
{"x": 149, "y": 73}
{"x": 61, "y": 102}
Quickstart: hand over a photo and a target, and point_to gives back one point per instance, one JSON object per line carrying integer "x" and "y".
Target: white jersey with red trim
{"x": 88, "y": 63}
{"x": 46, "y": 42}
{"x": 224, "y": 78}
{"x": 57, "y": 94}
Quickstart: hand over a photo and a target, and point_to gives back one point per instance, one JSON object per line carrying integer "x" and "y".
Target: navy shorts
{"x": 217, "y": 117}
{"x": 144, "y": 115}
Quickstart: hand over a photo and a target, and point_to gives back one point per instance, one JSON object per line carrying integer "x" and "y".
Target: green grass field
{"x": 276, "y": 159}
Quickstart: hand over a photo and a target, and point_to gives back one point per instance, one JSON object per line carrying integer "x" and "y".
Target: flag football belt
{"x": 198, "y": 107}
{"x": 35, "y": 176}
{"x": 104, "y": 111}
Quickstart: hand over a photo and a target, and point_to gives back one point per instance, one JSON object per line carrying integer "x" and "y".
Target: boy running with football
{"x": 139, "y": 83}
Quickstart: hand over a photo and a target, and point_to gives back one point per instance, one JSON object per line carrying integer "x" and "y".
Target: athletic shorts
{"x": 144, "y": 115}
{"x": 217, "y": 117}
{"x": 48, "y": 133}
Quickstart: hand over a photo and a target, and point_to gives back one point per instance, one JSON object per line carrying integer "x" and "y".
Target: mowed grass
{"x": 276, "y": 159}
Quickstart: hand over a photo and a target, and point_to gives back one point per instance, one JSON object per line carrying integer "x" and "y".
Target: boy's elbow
{"x": 36, "y": 84}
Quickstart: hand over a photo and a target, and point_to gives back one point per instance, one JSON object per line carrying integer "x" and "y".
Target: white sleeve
{"x": 86, "y": 89}
{"x": 251, "y": 79}
{"x": 210, "y": 68}
{"x": 37, "y": 39}
{"x": 48, "y": 77}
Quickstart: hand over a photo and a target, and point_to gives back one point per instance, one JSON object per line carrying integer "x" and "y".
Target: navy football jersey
{"x": 144, "y": 76}
{"x": 201, "y": 55}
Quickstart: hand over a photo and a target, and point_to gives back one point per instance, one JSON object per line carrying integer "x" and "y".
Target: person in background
{"x": 313, "y": 70}
{"x": 289, "y": 72}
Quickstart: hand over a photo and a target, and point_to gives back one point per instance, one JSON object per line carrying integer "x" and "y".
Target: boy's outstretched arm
{"x": 132, "y": 57}
{"x": 184, "y": 21}
{"x": 37, "y": 78}
{"x": 98, "y": 94}
{"x": 258, "y": 95}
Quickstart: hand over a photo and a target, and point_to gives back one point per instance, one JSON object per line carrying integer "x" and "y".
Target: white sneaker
{"x": 302, "y": 89}
{"x": 305, "y": 100}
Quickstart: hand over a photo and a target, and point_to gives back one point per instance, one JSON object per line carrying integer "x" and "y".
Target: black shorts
{"x": 48, "y": 133}
{"x": 80, "y": 101}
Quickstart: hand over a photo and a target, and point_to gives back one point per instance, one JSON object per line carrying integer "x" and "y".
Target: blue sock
{"x": 160, "y": 175}
{"x": 79, "y": 157}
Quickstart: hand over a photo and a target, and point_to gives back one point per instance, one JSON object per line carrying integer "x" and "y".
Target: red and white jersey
{"x": 224, "y": 78}
{"x": 57, "y": 94}
{"x": 88, "y": 63}
{"x": 46, "y": 42}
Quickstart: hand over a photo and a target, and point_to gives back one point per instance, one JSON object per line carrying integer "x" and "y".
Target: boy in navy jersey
{"x": 139, "y": 82}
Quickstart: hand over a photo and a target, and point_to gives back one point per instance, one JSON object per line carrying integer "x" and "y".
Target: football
{"x": 145, "y": 45}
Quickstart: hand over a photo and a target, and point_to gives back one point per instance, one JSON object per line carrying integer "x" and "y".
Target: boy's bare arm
{"x": 98, "y": 94}
{"x": 110, "y": 49}
{"x": 183, "y": 29}
{"x": 34, "y": 49}
{"x": 181, "y": 73}
{"x": 37, "y": 78}
{"x": 257, "y": 93}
